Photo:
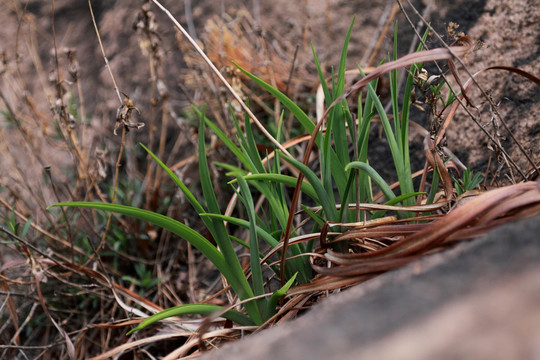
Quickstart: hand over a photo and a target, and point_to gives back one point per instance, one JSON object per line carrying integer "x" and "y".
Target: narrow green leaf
{"x": 326, "y": 200}
{"x": 388, "y": 193}
{"x": 394, "y": 92}
{"x": 26, "y": 228}
{"x": 251, "y": 149}
{"x": 239, "y": 281}
{"x": 339, "y": 131}
{"x": 174, "y": 226}
{"x": 190, "y": 309}
{"x": 300, "y": 263}
{"x": 434, "y": 186}
{"x": 278, "y": 294}
{"x": 286, "y": 180}
{"x": 316, "y": 217}
{"x": 256, "y": 271}
{"x": 223, "y": 137}
{"x": 300, "y": 115}
{"x": 326, "y": 91}
{"x": 189, "y": 195}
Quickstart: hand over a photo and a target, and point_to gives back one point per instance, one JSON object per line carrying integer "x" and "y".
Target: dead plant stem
{"x": 115, "y": 188}
{"x": 122, "y": 143}
{"x": 103, "y": 51}
{"x": 68, "y": 225}
{"x": 151, "y": 165}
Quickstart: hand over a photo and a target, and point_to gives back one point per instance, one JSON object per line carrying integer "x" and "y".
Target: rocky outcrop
{"x": 480, "y": 300}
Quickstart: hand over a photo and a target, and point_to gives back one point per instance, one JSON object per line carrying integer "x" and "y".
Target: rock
{"x": 479, "y": 300}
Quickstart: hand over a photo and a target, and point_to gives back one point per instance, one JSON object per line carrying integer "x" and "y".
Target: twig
{"x": 386, "y": 20}
{"x": 116, "y": 176}
{"x": 291, "y": 72}
{"x": 103, "y": 52}
{"x": 68, "y": 225}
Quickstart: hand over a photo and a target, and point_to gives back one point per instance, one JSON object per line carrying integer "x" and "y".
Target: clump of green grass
{"x": 469, "y": 181}
{"x": 343, "y": 177}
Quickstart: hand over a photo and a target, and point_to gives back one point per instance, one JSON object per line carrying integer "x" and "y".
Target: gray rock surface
{"x": 480, "y": 300}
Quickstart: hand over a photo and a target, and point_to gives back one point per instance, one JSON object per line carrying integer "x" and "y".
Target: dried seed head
{"x": 124, "y": 114}
{"x": 451, "y": 29}
{"x": 422, "y": 75}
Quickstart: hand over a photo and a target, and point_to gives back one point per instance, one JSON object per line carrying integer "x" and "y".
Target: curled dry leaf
{"x": 435, "y": 161}
{"x": 124, "y": 114}
{"x": 474, "y": 217}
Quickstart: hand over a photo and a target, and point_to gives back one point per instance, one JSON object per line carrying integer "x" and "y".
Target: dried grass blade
{"x": 365, "y": 268}
{"x": 327, "y": 283}
{"x": 69, "y": 344}
{"x": 407, "y": 60}
{"x": 436, "y": 162}
{"x": 131, "y": 345}
{"x": 526, "y": 199}
{"x": 460, "y": 217}
{"x": 378, "y": 232}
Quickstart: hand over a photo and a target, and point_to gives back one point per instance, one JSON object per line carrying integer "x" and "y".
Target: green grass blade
{"x": 300, "y": 115}
{"x": 239, "y": 281}
{"x": 338, "y": 129}
{"x": 365, "y": 116}
{"x": 406, "y": 183}
{"x": 340, "y": 86}
{"x": 189, "y": 195}
{"x": 190, "y": 309}
{"x": 394, "y": 149}
{"x": 394, "y": 93}
{"x": 231, "y": 169}
{"x": 278, "y": 294}
{"x": 388, "y": 193}
{"x": 266, "y": 236}
{"x": 251, "y": 149}
{"x": 263, "y": 184}
{"x": 174, "y": 226}
{"x": 225, "y": 139}
{"x": 300, "y": 263}
{"x": 434, "y": 186}
{"x": 286, "y": 180}
{"x": 256, "y": 271}
{"x": 324, "y": 85}
{"x": 402, "y": 170}
{"x": 326, "y": 200}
